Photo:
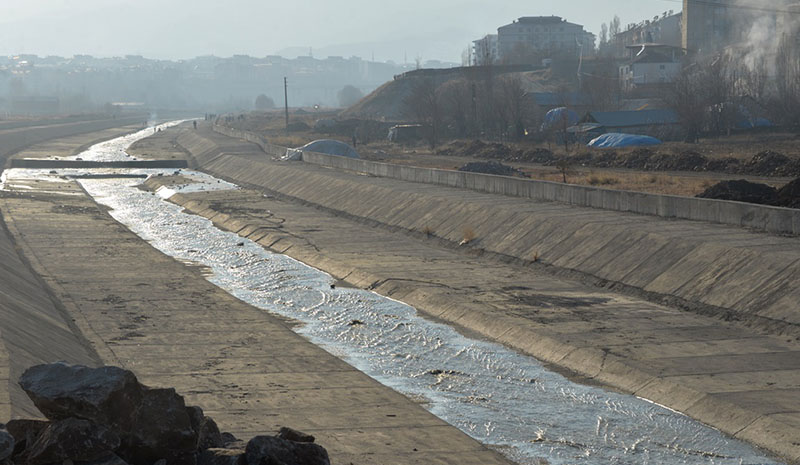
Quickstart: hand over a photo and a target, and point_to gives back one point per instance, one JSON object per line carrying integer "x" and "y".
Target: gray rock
{"x": 106, "y": 395}
{"x": 274, "y": 450}
{"x": 293, "y": 435}
{"x": 208, "y": 435}
{"x": 6, "y": 444}
{"x": 221, "y": 457}
{"x": 72, "y": 439}
{"x": 160, "y": 428}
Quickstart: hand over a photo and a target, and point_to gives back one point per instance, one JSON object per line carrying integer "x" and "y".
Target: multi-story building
{"x": 549, "y": 34}
{"x": 712, "y": 25}
{"x": 650, "y": 68}
{"x": 484, "y": 50}
{"x": 665, "y": 30}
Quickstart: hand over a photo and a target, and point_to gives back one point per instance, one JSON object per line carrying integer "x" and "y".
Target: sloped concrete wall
{"x": 732, "y": 272}
{"x": 14, "y": 140}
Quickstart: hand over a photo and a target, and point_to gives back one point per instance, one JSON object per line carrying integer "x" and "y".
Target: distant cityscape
{"x": 39, "y": 85}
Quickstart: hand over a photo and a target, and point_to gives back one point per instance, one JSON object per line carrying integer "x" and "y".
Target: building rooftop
{"x": 621, "y": 119}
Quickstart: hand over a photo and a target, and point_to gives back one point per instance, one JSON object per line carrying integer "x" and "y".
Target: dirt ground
{"x": 673, "y": 168}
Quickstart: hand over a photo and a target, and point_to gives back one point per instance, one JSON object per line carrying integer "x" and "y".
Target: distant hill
{"x": 386, "y": 103}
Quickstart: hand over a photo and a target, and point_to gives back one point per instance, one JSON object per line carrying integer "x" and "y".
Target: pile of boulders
{"x": 104, "y": 416}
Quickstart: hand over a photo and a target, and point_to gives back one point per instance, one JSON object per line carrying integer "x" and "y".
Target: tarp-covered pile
{"x": 616, "y": 140}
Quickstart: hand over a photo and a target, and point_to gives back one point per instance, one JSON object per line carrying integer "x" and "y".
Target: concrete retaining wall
{"x": 763, "y": 218}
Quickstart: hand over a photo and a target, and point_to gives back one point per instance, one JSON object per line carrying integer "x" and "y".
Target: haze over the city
{"x": 398, "y": 31}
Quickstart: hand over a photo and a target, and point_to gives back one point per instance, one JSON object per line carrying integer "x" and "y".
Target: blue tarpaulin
{"x": 555, "y": 118}
{"x": 615, "y": 139}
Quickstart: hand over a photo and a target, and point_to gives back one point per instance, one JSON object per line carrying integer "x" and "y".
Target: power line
{"x": 736, "y": 6}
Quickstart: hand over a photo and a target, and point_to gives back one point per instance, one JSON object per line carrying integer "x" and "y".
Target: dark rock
{"x": 25, "y": 432}
{"x": 492, "y": 167}
{"x": 221, "y": 457}
{"x": 106, "y": 395}
{"x": 110, "y": 459}
{"x": 228, "y": 438}
{"x": 161, "y": 428}
{"x": 7, "y": 443}
{"x": 208, "y": 435}
{"x": 262, "y": 450}
{"x": 72, "y": 439}
{"x": 742, "y": 191}
{"x": 789, "y": 195}
{"x": 293, "y": 435}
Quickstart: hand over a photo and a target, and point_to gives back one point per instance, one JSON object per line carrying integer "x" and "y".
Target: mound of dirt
{"x": 789, "y": 195}
{"x": 767, "y": 163}
{"x": 492, "y": 167}
{"x": 742, "y": 191}
{"x": 637, "y": 159}
{"x": 480, "y": 149}
{"x": 724, "y": 165}
{"x": 686, "y": 161}
{"x": 538, "y": 155}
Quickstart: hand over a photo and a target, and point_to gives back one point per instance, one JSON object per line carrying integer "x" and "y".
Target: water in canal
{"x": 506, "y": 400}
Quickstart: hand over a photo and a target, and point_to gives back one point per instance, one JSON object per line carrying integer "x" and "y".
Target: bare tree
{"x": 787, "y": 83}
{"x": 424, "y": 105}
{"x": 602, "y": 85}
{"x": 513, "y": 105}
{"x": 688, "y": 99}
{"x": 349, "y": 96}
{"x": 456, "y": 102}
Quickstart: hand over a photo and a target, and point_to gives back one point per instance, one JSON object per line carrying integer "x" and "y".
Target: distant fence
{"x": 764, "y": 218}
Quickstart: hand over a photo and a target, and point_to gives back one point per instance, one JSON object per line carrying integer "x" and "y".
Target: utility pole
{"x": 286, "y": 100}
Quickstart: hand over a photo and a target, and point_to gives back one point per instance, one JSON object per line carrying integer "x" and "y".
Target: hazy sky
{"x": 432, "y": 29}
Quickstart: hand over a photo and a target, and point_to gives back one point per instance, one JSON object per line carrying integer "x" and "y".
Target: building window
{"x": 663, "y": 67}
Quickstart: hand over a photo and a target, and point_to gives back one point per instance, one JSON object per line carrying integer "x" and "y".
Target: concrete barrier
{"x": 764, "y": 218}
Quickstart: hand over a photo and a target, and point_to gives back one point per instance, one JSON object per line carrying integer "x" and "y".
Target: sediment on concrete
{"x": 720, "y": 373}
{"x": 760, "y": 217}
{"x": 727, "y": 272}
{"x": 34, "y": 327}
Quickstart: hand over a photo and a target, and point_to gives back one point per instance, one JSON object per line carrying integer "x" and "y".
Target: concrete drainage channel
{"x": 503, "y": 399}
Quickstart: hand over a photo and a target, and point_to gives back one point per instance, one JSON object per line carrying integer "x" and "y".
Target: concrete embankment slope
{"x": 144, "y": 311}
{"x": 718, "y": 270}
{"x": 34, "y": 327}
{"x": 400, "y": 240}
{"x": 16, "y": 139}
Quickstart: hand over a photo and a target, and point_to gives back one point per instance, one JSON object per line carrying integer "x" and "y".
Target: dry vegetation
{"x": 742, "y": 147}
